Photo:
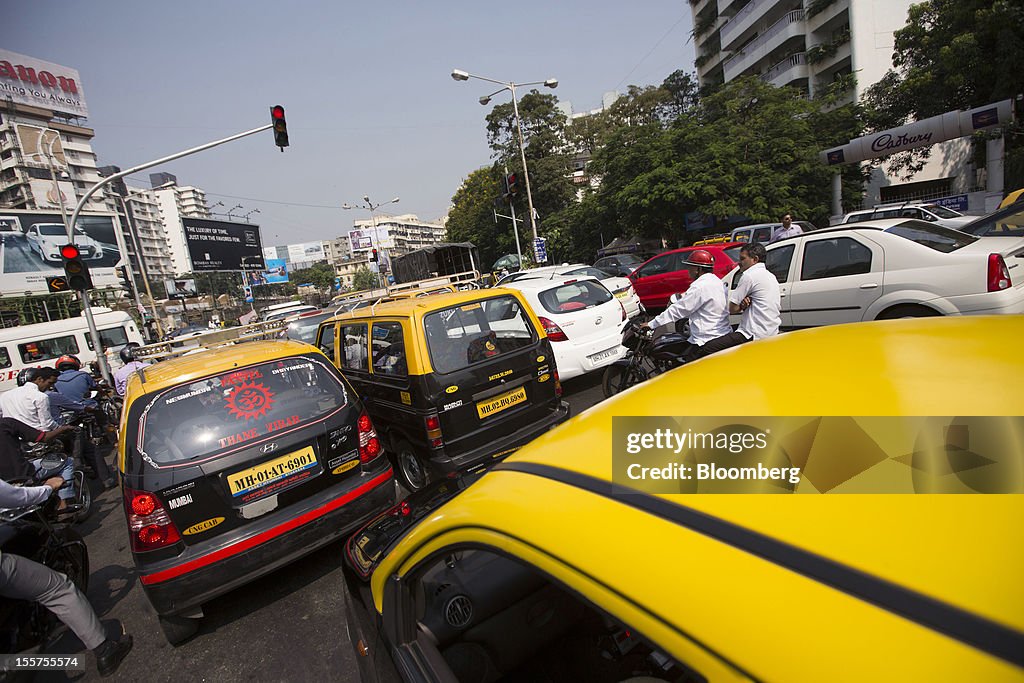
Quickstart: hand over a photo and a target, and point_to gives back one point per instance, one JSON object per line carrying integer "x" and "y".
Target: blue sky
{"x": 370, "y": 105}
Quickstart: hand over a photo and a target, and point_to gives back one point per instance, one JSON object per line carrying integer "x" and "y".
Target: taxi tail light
{"x": 558, "y": 384}
{"x": 149, "y": 526}
{"x": 623, "y": 311}
{"x": 433, "y": 425}
{"x": 998, "y": 274}
{"x": 553, "y": 331}
{"x": 369, "y": 443}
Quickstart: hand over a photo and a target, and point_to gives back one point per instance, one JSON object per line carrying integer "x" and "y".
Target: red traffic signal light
{"x": 513, "y": 183}
{"x": 373, "y": 255}
{"x": 75, "y": 270}
{"x": 280, "y": 126}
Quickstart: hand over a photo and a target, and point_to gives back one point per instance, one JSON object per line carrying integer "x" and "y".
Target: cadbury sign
{"x": 41, "y": 84}
{"x": 948, "y": 126}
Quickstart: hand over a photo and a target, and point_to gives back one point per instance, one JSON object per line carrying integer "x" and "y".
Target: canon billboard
{"x": 222, "y": 245}
{"x": 31, "y": 81}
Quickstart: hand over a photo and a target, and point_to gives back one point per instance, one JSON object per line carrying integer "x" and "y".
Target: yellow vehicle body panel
{"x": 698, "y": 596}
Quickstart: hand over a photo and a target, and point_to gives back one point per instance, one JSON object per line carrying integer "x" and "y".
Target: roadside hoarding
{"x": 222, "y": 245}
{"x": 307, "y": 252}
{"x": 31, "y": 81}
{"x": 277, "y": 271}
{"x": 370, "y": 238}
{"x": 179, "y": 289}
{"x": 38, "y": 143}
{"x": 31, "y": 242}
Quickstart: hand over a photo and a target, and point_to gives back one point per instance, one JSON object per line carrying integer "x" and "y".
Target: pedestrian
{"x": 756, "y": 296}
{"x": 705, "y": 303}
{"x": 131, "y": 364}
{"x": 788, "y": 229}
{"x": 23, "y": 579}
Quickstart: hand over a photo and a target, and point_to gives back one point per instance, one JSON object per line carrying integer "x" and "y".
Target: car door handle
{"x": 869, "y": 285}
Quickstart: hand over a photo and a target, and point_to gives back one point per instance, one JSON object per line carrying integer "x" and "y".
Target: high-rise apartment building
{"x": 174, "y": 203}
{"x": 143, "y": 234}
{"x": 43, "y": 122}
{"x": 397, "y": 234}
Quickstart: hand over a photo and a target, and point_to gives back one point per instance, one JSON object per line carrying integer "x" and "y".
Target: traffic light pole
{"x": 94, "y": 334}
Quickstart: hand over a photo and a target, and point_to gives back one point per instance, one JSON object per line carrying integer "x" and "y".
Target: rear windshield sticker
{"x": 289, "y": 368}
{"x": 470, "y": 307}
{"x": 238, "y": 438}
{"x": 240, "y": 377}
{"x": 249, "y": 401}
{"x": 281, "y": 424}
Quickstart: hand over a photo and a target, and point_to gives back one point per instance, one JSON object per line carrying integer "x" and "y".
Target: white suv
{"x": 933, "y": 213}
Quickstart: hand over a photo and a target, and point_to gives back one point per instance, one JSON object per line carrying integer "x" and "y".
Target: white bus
{"x": 40, "y": 345}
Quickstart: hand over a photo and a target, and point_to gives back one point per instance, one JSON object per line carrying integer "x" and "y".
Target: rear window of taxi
{"x": 221, "y": 412}
{"x": 461, "y": 336}
{"x": 574, "y": 296}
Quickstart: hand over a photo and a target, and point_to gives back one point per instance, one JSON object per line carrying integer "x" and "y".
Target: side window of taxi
{"x": 779, "y": 260}
{"x": 389, "y": 350}
{"x": 354, "y": 351}
{"x": 326, "y": 342}
{"x": 474, "y": 602}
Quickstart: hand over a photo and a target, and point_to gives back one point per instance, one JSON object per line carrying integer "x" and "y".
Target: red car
{"x": 666, "y": 274}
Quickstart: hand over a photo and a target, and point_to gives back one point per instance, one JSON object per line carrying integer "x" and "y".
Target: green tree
{"x": 952, "y": 54}
{"x": 471, "y": 218}
{"x": 363, "y": 279}
{"x": 321, "y": 275}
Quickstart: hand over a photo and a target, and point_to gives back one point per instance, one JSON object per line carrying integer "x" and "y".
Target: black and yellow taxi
{"x": 893, "y": 555}
{"x": 237, "y": 460}
{"x": 451, "y": 380}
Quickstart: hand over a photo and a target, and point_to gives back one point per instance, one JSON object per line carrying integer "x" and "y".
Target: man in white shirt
{"x": 704, "y": 303}
{"x": 787, "y": 230}
{"x": 29, "y": 402}
{"x": 756, "y": 296}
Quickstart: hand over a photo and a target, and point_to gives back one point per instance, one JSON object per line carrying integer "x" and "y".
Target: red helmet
{"x": 68, "y": 362}
{"x": 701, "y": 257}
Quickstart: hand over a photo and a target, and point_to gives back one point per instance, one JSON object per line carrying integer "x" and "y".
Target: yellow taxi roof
{"x": 419, "y": 306}
{"x": 192, "y": 366}
{"x": 779, "y": 624}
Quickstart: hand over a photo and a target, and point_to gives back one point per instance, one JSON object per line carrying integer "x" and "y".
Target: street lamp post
{"x": 371, "y": 207}
{"x": 460, "y": 75}
{"x": 133, "y": 231}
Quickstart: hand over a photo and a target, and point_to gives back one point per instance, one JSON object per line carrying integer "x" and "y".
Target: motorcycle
{"x": 646, "y": 356}
{"x": 37, "y": 532}
{"x": 54, "y": 451}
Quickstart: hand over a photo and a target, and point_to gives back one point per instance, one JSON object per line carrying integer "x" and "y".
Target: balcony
{"x": 734, "y": 28}
{"x": 790, "y": 26}
{"x": 790, "y": 69}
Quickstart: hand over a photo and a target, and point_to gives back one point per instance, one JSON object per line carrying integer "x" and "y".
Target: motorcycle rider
{"x": 705, "y": 303}
{"x": 23, "y": 579}
{"x": 29, "y": 405}
{"x": 130, "y": 365}
{"x": 73, "y": 382}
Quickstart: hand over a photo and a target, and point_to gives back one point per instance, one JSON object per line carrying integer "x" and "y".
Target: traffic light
{"x": 75, "y": 269}
{"x": 512, "y": 183}
{"x": 280, "y": 126}
{"x": 126, "y": 281}
{"x": 373, "y": 255}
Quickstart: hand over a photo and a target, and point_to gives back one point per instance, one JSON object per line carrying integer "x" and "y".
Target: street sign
{"x": 57, "y": 284}
{"x": 540, "y": 249}
{"x": 248, "y": 294}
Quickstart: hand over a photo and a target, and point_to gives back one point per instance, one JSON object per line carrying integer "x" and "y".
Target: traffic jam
{"x": 422, "y": 434}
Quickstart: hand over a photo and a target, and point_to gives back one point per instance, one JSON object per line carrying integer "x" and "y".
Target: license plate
{"x": 622, "y": 295}
{"x": 506, "y": 400}
{"x": 274, "y": 475}
{"x": 598, "y": 357}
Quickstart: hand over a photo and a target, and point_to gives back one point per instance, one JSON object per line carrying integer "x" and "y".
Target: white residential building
{"x": 150, "y": 234}
{"x": 174, "y": 203}
{"x": 399, "y": 234}
{"x": 816, "y": 44}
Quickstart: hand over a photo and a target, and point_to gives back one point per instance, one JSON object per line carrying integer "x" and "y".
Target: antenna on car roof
{"x": 141, "y": 372}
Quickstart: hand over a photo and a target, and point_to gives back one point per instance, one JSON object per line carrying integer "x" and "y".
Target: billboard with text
{"x": 222, "y": 245}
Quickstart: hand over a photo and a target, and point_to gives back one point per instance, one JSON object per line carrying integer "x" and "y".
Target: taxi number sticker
{"x": 496, "y": 405}
{"x": 271, "y": 471}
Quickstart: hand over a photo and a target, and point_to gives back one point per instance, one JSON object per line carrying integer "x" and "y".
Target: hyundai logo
{"x": 269, "y": 448}
{"x": 598, "y": 321}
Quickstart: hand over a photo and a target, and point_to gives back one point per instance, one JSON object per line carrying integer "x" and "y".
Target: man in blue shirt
{"x": 73, "y": 382}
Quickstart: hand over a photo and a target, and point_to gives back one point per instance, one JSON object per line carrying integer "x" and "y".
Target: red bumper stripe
{"x": 263, "y": 537}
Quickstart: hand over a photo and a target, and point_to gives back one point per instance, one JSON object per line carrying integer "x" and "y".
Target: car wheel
{"x": 907, "y": 311}
{"x": 177, "y": 629}
{"x": 412, "y": 471}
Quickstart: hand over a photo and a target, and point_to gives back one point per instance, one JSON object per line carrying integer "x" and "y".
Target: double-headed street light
{"x": 371, "y": 207}
{"x": 460, "y": 75}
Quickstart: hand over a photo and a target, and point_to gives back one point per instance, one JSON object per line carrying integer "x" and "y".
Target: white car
{"x": 582, "y": 319}
{"x": 47, "y": 238}
{"x": 621, "y": 287}
{"x": 894, "y": 268}
{"x": 933, "y": 213}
